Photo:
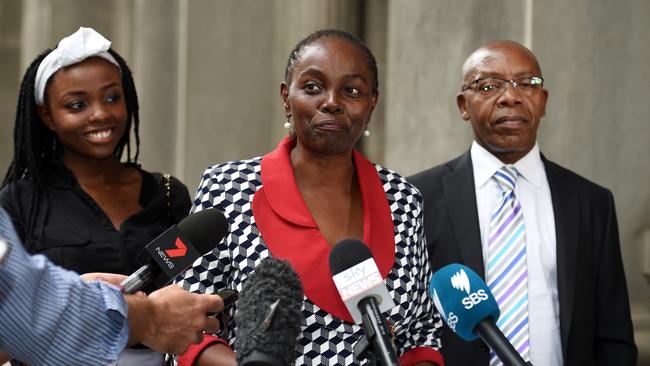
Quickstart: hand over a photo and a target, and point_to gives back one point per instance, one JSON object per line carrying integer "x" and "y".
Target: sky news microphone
{"x": 470, "y": 310}
{"x": 364, "y": 293}
{"x": 176, "y": 249}
{"x": 269, "y": 311}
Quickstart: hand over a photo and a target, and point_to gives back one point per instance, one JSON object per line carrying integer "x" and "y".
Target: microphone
{"x": 176, "y": 249}
{"x": 468, "y": 307}
{"x": 364, "y": 293}
{"x": 268, "y": 316}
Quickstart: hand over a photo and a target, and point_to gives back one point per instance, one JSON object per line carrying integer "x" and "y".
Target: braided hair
{"x": 36, "y": 146}
{"x": 295, "y": 54}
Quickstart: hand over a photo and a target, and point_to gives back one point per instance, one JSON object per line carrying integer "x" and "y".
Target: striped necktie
{"x": 507, "y": 275}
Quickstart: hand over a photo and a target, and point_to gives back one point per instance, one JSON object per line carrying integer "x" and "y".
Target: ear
{"x": 373, "y": 104}
{"x": 46, "y": 116}
{"x": 462, "y": 106}
{"x": 284, "y": 94}
{"x": 545, "y": 98}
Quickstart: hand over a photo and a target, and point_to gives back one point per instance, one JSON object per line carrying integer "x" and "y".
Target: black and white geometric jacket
{"x": 325, "y": 339}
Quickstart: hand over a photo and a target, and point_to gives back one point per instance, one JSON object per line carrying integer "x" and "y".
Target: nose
{"x": 510, "y": 95}
{"x": 331, "y": 103}
{"x": 99, "y": 113}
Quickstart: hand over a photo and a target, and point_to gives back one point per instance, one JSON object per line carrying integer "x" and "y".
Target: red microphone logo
{"x": 180, "y": 250}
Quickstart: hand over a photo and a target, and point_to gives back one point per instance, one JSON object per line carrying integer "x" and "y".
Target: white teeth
{"x": 102, "y": 134}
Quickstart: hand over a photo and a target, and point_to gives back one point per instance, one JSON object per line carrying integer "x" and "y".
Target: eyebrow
{"x": 81, "y": 92}
{"x": 318, "y": 72}
{"x": 488, "y": 74}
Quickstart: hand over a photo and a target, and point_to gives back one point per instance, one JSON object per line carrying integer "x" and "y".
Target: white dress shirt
{"x": 533, "y": 192}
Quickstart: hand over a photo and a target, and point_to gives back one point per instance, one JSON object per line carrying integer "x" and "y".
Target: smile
{"x": 100, "y": 136}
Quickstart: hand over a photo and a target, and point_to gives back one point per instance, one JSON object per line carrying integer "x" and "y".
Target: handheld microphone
{"x": 468, "y": 307}
{"x": 364, "y": 293}
{"x": 176, "y": 249}
{"x": 268, "y": 316}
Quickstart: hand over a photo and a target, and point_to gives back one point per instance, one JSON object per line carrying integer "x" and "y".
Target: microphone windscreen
{"x": 204, "y": 229}
{"x": 346, "y": 254}
{"x": 267, "y": 333}
{"x": 463, "y": 299}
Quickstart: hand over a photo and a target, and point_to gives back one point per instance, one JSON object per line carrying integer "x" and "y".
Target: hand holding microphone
{"x": 170, "y": 319}
{"x": 468, "y": 307}
{"x": 176, "y": 249}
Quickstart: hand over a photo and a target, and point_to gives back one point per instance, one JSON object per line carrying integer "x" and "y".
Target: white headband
{"x": 80, "y": 45}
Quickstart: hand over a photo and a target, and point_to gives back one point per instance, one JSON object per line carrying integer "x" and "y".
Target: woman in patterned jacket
{"x": 312, "y": 191}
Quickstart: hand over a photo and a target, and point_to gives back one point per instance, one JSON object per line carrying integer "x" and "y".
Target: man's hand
{"x": 170, "y": 319}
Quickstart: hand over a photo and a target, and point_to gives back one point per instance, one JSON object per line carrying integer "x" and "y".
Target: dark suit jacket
{"x": 595, "y": 323}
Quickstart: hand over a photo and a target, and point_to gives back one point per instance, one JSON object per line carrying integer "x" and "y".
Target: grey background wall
{"x": 208, "y": 75}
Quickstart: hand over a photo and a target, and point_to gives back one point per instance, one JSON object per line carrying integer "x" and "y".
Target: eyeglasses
{"x": 491, "y": 86}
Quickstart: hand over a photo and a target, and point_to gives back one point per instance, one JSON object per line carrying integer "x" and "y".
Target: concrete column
{"x": 10, "y": 21}
{"x": 375, "y": 34}
{"x": 155, "y": 69}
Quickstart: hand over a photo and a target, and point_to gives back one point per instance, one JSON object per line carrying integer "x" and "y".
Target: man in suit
{"x": 544, "y": 238}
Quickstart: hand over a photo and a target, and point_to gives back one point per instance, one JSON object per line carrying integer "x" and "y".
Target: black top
{"x": 75, "y": 233}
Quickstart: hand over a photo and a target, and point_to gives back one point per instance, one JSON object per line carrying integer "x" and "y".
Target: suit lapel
{"x": 460, "y": 196}
{"x": 565, "y": 210}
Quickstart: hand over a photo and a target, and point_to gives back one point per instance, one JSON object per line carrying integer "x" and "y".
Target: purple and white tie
{"x": 507, "y": 275}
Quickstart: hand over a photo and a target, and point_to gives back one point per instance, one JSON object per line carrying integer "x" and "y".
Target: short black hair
{"x": 294, "y": 55}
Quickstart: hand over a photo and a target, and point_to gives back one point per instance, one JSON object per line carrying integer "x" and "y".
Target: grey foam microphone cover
{"x": 269, "y": 314}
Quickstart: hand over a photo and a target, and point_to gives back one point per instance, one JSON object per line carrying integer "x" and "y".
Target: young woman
{"x": 67, "y": 191}
{"x": 312, "y": 191}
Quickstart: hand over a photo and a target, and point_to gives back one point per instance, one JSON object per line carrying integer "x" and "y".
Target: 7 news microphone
{"x": 176, "y": 249}
{"x": 468, "y": 307}
{"x": 365, "y": 295}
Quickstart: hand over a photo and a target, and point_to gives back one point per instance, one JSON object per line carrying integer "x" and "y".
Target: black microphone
{"x": 176, "y": 249}
{"x": 468, "y": 307}
{"x": 268, "y": 317}
{"x": 364, "y": 293}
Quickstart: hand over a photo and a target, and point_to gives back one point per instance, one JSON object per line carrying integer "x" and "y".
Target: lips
{"x": 512, "y": 120}
{"x": 331, "y": 125}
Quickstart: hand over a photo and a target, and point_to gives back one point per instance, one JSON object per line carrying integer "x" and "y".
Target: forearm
{"x": 43, "y": 305}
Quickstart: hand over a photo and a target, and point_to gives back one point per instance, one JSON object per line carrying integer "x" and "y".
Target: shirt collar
{"x": 530, "y": 167}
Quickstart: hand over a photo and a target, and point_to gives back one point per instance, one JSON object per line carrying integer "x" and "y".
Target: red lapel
{"x": 290, "y": 232}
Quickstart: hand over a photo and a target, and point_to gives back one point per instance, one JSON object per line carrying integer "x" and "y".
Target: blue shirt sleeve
{"x": 49, "y": 316}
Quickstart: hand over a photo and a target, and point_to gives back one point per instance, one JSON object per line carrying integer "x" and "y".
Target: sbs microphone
{"x": 268, "y": 316}
{"x": 365, "y": 295}
{"x": 468, "y": 307}
{"x": 176, "y": 249}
